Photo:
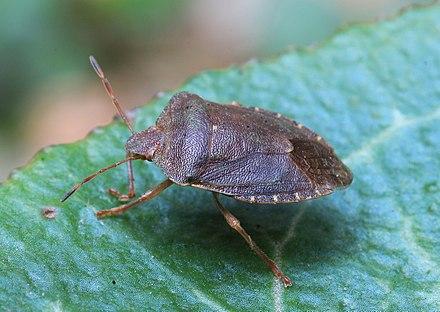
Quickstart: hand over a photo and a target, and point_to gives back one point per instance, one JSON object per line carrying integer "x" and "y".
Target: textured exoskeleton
{"x": 250, "y": 154}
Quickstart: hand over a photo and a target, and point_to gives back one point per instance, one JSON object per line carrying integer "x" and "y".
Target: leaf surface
{"x": 373, "y": 91}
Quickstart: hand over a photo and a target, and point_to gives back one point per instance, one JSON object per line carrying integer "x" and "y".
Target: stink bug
{"x": 249, "y": 154}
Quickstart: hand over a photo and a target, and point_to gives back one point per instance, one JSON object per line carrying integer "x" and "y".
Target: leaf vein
{"x": 359, "y": 155}
{"x": 400, "y": 122}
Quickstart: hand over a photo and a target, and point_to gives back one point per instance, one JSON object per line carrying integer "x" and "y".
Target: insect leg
{"x": 131, "y": 193}
{"x": 146, "y": 196}
{"x": 235, "y": 224}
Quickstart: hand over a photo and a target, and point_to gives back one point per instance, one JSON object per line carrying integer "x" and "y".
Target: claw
{"x": 121, "y": 197}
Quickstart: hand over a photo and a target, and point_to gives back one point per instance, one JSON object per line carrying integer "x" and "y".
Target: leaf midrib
{"x": 358, "y": 156}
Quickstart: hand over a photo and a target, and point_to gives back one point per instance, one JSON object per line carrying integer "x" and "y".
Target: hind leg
{"x": 235, "y": 224}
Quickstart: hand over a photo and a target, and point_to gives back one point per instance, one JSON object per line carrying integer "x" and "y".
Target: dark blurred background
{"x": 49, "y": 94}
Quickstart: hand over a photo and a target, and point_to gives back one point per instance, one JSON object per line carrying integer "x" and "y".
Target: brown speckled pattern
{"x": 250, "y": 154}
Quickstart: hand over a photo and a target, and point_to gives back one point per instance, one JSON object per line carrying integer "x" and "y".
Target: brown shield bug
{"x": 250, "y": 154}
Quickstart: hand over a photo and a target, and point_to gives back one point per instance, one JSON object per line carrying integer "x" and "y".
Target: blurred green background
{"x": 49, "y": 94}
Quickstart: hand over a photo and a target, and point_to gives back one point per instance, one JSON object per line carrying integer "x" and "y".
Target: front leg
{"x": 131, "y": 192}
{"x": 146, "y": 196}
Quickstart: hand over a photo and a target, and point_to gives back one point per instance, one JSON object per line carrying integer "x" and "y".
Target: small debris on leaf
{"x": 49, "y": 212}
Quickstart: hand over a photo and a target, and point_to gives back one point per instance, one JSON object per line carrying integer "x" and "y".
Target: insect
{"x": 250, "y": 154}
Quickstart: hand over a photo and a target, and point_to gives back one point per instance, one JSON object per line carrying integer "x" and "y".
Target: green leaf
{"x": 373, "y": 91}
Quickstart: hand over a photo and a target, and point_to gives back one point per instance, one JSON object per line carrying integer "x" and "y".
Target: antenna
{"x": 109, "y": 89}
{"x": 92, "y": 176}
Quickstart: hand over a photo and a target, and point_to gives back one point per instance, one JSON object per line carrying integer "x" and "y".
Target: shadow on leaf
{"x": 190, "y": 235}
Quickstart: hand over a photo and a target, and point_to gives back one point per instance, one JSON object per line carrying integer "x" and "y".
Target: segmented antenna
{"x": 109, "y": 89}
{"x": 92, "y": 176}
